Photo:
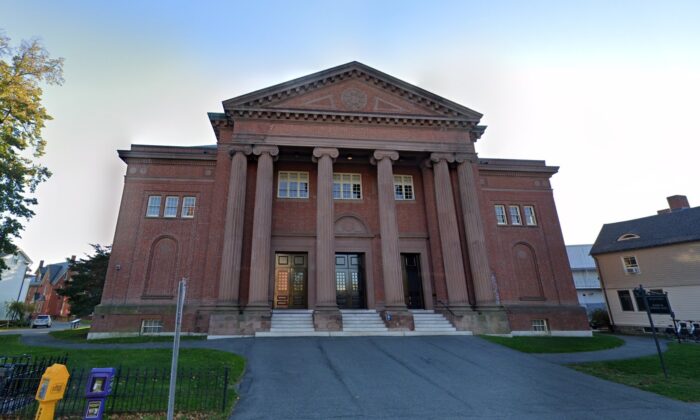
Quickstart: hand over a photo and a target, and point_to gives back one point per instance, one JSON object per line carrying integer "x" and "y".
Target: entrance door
{"x": 349, "y": 281}
{"x": 290, "y": 281}
{"x": 412, "y": 281}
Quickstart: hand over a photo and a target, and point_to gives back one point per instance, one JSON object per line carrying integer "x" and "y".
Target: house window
{"x": 293, "y": 184}
{"x": 188, "y": 205}
{"x": 151, "y": 326}
{"x": 630, "y": 265}
{"x": 539, "y": 325}
{"x": 625, "y": 300}
{"x": 515, "y": 215}
{"x": 347, "y": 186}
{"x": 641, "y": 306}
{"x": 153, "y": 206}
{"x": 171, "y": 206}
{"x": 501, "y": 214}
{"x": 403, "y": 187}
{"x": 530, "y": 218}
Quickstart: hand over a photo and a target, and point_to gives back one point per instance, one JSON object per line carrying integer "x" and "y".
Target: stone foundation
{"x": 398, "y": 320}
{"x": 485, "y": 320}
{"x": 328, "y": 320}
{"x": 559, "y": 317}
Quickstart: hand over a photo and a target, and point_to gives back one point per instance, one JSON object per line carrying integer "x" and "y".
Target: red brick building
{"x": 346, "y": 189}
{"x": 42, "y": 290}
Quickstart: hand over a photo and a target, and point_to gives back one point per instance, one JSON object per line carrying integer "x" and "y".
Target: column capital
{"x": 325, "y": 151}
{"x": 437, "y": 157}
{"x": 383, "y": 154}
{"x": 466, "y": 157}
{"x": 259, "y": 149}
{"x": 243, "y": 148}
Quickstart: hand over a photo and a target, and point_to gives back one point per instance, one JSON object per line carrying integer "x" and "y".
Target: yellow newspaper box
{"x": 51, "y": 389}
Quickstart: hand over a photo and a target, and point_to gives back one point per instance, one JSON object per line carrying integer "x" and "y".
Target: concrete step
{"x": 430, "y": 323}
{"x": 363, "y": 321}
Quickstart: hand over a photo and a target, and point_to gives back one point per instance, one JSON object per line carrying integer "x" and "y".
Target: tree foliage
{"x": 84, "y": 289}
{"x": 18, "y": 311}
{"x": 22, "y": 117}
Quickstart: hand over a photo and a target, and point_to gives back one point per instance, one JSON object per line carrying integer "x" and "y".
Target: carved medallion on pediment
{"x": 354, "y": 99}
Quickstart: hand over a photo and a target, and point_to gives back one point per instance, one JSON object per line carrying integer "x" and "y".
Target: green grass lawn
{"x": 557, "y": 344}
{"x": 682, "y": 362}
{"x": 79, "y": 335}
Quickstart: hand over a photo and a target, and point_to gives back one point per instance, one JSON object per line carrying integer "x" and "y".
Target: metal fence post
{"x": 223, "y": 405}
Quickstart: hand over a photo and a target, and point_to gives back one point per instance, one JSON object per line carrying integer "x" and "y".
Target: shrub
{"x": 600, "y": 319}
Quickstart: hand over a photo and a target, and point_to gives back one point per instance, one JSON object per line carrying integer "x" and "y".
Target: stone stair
{"x": 290, "y": 323}
{"x": 427, "y": 322}
{"x": 362, "y": 322}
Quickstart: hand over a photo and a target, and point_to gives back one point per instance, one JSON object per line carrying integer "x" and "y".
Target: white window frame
{"x": 151, "y": 326}
{"x": 150, "y": 206}
{"x": 630, "y": 264}
{"x": 403, "y": 185}
{"x": 185, "y": 212}
{"x": 530, "y": 219}
{"x": 286, "y": 176}
{"x": 166, "y": 207}
{"x": 502, "y": 218}
{"x": 519, "y": 221}
{"x": 350, "y": 181}
{"x": 540, "y": 325}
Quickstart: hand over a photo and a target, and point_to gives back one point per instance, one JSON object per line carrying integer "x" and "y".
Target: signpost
{"x": 182, "y": 286}
{"x": 655, "y": 303}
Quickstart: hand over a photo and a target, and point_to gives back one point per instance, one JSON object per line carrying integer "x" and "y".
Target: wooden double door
{"x": 349, "y": 281}
{"x": 291, "y": 281}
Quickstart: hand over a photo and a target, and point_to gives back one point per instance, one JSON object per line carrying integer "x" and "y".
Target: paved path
{"x": 56, "y": 326}
{"x": 634, "y": 347}
{"x": 417, "y": 377}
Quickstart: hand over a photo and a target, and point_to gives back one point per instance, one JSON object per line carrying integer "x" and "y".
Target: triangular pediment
{"x": 353, "y": 88}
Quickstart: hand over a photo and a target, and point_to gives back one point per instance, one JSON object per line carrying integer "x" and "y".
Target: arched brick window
{"x": 527, "y": 272}
{"x": 162, "y": 263}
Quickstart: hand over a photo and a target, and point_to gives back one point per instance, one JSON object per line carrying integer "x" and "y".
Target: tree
{"x": 22, "y": 117}
{"x": 17, "y": 311}
{"x": 87, "y": 279}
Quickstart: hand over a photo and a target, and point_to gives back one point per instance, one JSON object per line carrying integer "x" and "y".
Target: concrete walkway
{"x": 634, "y": 347}
{"x": 416, "y": 378}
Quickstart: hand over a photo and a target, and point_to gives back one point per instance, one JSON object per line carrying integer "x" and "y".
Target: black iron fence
{"x": 133, "y": 391}
{"x": 19, "y": 379}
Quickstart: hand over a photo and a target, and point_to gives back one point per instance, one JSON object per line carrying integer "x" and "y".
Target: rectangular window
{"x": 630, "y": 265}
{"x": 188, "y": 206}
{"x": 515, "y": 215}
{"x": 347, "y": 186}
{"x": 153, "y": 206}
{"x": 171, "y": 206}
{"x": 151, "y": 326}
{"x": 403, "y": 187}
{"x": 530, "y": 218}
{"x": 539, "y": 325}
{"x": 292, "y": 184}
{"x": 641, "y": 307}
{"x": 501, "y": 214}
{"x": 625, "y": 300}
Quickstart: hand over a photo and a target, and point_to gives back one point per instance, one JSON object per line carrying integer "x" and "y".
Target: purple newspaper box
{"x": 99, "y": 387}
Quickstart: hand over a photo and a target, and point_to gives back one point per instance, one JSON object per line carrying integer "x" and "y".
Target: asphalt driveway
{"x": 426, "y": 377}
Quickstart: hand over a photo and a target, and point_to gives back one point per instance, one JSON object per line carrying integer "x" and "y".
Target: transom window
{"x": 151, "y": 326}
{"x": 293, "y": 184}
{"x": 188, "y": 206}
{"x": 515, "y": 215}
{"x": 530, "y": 219}
{"x": 500, "y": 214}
{"x": 347, "y": 186}
{"x": 630, "y": 265}
{"x": 403, "y": 187}
{"x": 153, "y": 206}
{"x": 171, "y": 206}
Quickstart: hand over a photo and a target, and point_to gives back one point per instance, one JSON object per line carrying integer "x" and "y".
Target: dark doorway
{"x": 290, "y": 281}
{"x": 349, "y": 281}
{"x": 412, "y": 281}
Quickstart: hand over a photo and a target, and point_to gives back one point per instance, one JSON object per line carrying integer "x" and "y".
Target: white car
{"x": 42, "y": 321}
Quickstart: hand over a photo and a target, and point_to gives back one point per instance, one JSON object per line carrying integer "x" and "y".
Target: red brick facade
{"x": 364, "y": 117}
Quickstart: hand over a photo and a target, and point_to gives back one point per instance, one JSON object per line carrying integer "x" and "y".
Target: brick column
{"x": 325, "y": 229}
{"x": 229, "y": 280}
{"x": 262, "y": 229}
{"x": 474, "y": 229}
{"x": 449, "y": 237}
{"x": 389, "y": 231}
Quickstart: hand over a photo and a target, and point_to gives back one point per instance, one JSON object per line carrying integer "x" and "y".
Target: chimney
{"x": 677, "y": 202}
{"x": 72, "y": 258}
{"x": 41, "y": 264}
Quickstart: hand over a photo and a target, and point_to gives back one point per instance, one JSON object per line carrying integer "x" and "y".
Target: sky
{"x": 608, "y": 91}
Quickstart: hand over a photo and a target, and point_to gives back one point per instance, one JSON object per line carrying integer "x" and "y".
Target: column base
{"x": 480, "y": 320}
{"x": 231, "y": 320}
{"x": 328, "y": 319}
{"x": 398, "y": 319}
